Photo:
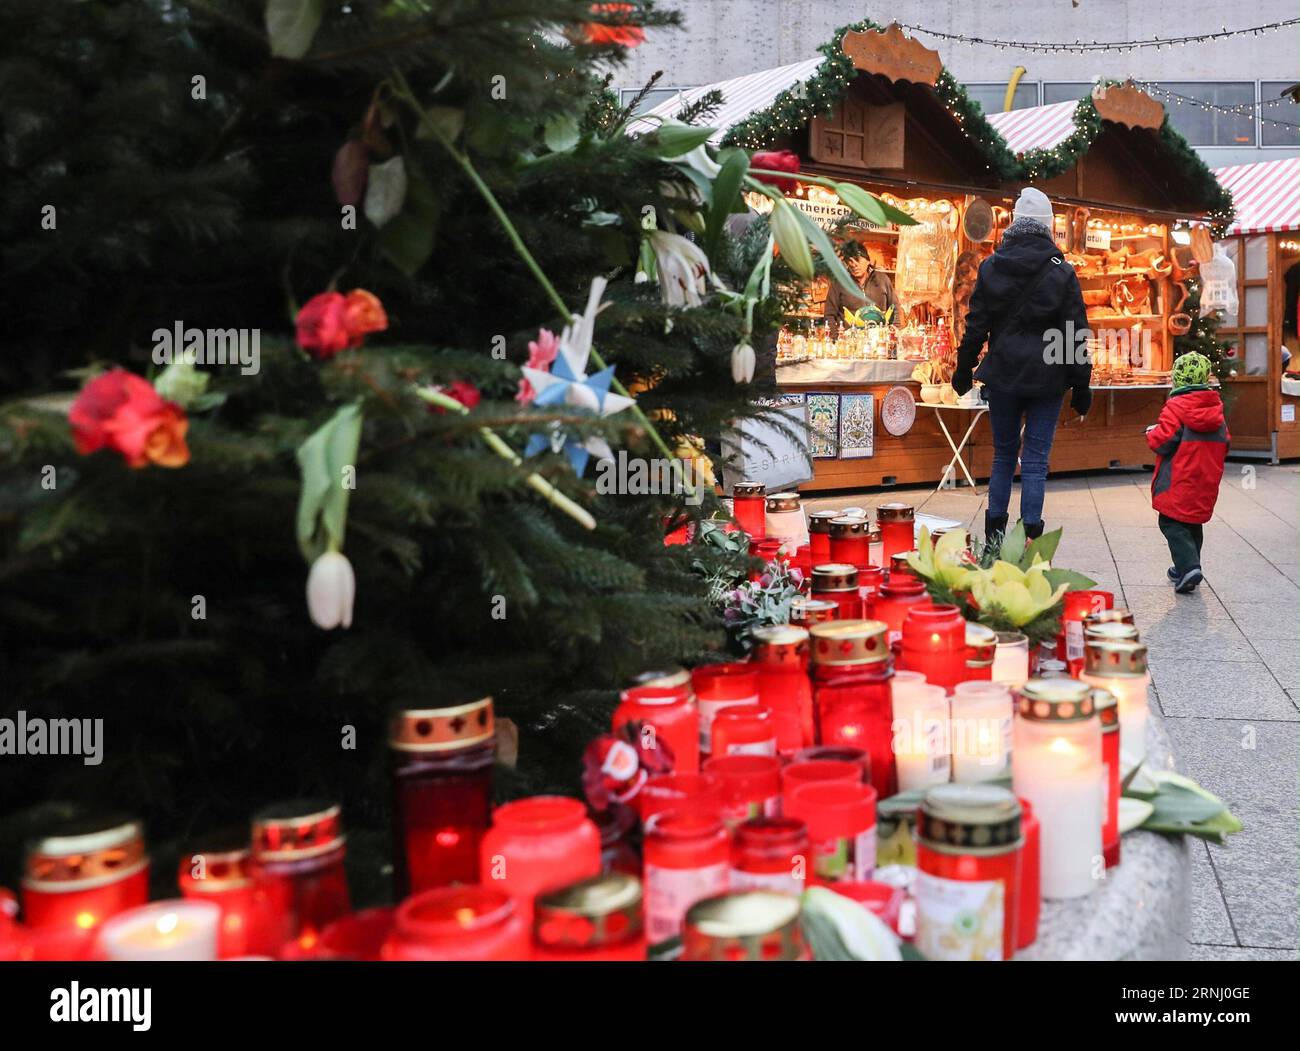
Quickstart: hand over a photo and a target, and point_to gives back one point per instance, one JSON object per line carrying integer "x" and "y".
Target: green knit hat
{"x": 1191, "y": 370}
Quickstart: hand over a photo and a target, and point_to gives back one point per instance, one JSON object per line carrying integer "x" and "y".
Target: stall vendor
{"x": 877, "y": 288}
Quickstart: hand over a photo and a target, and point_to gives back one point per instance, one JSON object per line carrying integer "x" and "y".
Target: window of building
{"x": 992, "y": 96}
{"x": 1186, "y": 102}
{"x": 1274, "y": 107}
{"x": 653, "y": 97}
{"x": 1065, "y": 90}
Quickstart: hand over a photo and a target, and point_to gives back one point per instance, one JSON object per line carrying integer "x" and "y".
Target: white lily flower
{"x": 331, "y": 587}
{"x": 683, "y": 269}
{"x": 700, "y": 160}
{"x": 742, "y": 363}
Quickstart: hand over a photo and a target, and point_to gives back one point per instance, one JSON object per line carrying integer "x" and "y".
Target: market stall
{"x": 881, "y": 111}
{"x": 1263, "y": 243}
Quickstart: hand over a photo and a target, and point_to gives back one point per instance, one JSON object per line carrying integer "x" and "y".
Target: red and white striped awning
{"x": 1035, "y": 127}
{"x": 741, "y": 97}
{"x": 1266, "y": 195}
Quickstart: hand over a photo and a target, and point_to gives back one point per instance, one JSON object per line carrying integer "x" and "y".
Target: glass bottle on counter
{"x": 440, "y": 761}
{"x": 851, "y": 672}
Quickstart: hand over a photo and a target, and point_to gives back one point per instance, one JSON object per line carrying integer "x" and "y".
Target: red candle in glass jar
{"x": 934, "y": 643}
{"x": 751, "y": 786}
{"x": 1107, "y": 705}
{"x": 805, "y": 612}
{"x": 802, "y": 560}
{"x": 670, "y": 710}
{"x": 1029, "y": 887}
{"x": 440, "y": 763}
{"x": 359, "y": 936}
{"x": 781, "y": 656}
{"x": 894, "y": 599}
{"x": 749, "y": 507}
{"x": 967, "y": 904}
{"x": 771, "y": 853}
{"x": 593, "y": 920}
{"x": 837, "y": 753}
{"x": 683, "y": 792}
{"x": 458, "y": 923}
{"x": 819, "y": 536}
{"x": 538, "y": 843}
{"x": 1075, "y": 607}
{"x": 687, "y": 859}
{"x": 83, "y": 872}
{"x": 850, "y": 542}
{"x": 851, "y": 671}
{"x": 896, "y": 521}
{"x": 224, "y": 876}
{"x": 744, "y": 729}
{"x": 716, "y": 687}
{"x": 899, "y": 566}
{"x": 815, "y": 771}
{"x": 298, "y": 850}
{"x": 981, "y": 651}
{"x": 869, "y": 581}
{"x": 841, "y": 820}
{"x": 838, "y": 582}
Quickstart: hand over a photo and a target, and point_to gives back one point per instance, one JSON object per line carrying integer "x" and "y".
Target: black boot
{"x": 995, "y": 526}
{"x": 1033, "y": 532}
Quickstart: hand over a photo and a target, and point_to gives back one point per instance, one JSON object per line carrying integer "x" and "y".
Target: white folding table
{"x": 976, "y": 411}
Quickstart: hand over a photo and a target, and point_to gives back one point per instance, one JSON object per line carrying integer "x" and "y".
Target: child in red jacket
{"x": 1190, "y": 441}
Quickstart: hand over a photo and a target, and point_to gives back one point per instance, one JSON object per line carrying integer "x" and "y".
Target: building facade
{"x": 1223, "y": 94}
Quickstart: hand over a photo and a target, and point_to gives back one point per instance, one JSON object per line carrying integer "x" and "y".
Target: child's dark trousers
{"x": 1184, "y": 541}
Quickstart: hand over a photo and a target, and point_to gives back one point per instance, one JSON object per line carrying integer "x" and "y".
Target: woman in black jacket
{"x": 1028, "y": 306}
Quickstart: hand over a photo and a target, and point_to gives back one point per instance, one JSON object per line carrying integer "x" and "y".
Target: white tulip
{"x": 331, "y": 587}
{"x": 742, "y": 363}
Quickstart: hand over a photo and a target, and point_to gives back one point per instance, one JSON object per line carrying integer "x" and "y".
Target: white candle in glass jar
{"x": 784, "y": 518}
{"x": 1057, "y": 767}
{"x": 166, "y": 930}
{"x": 1121, "y": 668}
{"x": 1011, "y": 659}
{"x": 920, "y": 733}
{"x": 981, "y": 713}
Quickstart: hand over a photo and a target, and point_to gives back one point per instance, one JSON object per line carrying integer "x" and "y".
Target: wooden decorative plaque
{"x": 1129, "y": 105}
{"x": 858, "y": 135}
{"x": 892, "y": 54}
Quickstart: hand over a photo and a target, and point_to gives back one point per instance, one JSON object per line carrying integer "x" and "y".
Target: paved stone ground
{"x": 1225, "y": 668}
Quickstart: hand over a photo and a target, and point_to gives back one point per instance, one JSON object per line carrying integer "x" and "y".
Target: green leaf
{"x": 1044, "y": 547}
{"x": 673, "y": 140}
{"x": 292, "y": 25}
{"x": 862, "y": 202}
{"x": 561, "y": 133}
{"x": 896, "y": 215}
{"x": 449, "y": 120}
{"x": 323, "y": 502}
{"x": 407, "y": 239}
{"x": 1013, "y": 544}
{"x": 1175, "y": 805}
{"x": 824, "y": 940}
{"x": 790, "y": 237}
{"x": 1073, "y": 579}
{"x": 726, "y": 192}
{"x": 908, "y": 951}
{"x": 817, "y": 236}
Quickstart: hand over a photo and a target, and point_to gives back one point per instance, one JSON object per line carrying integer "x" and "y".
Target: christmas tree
{"x": 435, "y": 190}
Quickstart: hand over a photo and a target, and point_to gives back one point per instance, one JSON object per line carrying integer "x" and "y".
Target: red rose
{"x": 121, "y": 411}
{"x": 623, "y": 35}
{"x": 322, "y": 325}
{"x": 776, "y": 160}
{"x": 363, "y": 313}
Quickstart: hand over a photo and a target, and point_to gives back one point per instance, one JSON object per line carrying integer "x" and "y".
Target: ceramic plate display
{"x": 898, "y": 410}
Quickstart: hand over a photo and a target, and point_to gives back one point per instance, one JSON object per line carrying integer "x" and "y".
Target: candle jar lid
{"x": 898, "y": 562}
{"x": 1118, "y": 660}
{"x": 221, "y": 862}
{"x": 780, "y": 644}
{"x": 834, "y": 576}
{"x": 936, "y": 534}
{"x": 297, "y": 830}
{"x": 805, "y": 611}
{"x": 1110, "y": 631}
{"x": 977, "y": 819}
{"x": 981, "y": 645}
{"x": 844, "y": 526}
{"x": 1051, "y": 668}
{"x": 783, "y": 502}
{"x": 603, "y": 910}
{"x": 748, "y": 488}
{"x": 85, "y": 852}
{"x": 1107, "y": 705}
{"x": 892, "y": 812}
{"x": 1118, "y": 615}
{"x": 1056, "y": 700}
{"x": 668, "y": 678}
{"x": 820, "y": 521}
{"x": 908, "y": 584}
{"x": 853, "y": 512}
{"x": 744, "y": 925}
{"x": 442, "y": 729}
{"x": 895, "y": 512}
{"x": 849, "y": 642}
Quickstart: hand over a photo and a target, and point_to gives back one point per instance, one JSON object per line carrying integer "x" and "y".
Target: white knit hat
{"x": 1033, "y": 204}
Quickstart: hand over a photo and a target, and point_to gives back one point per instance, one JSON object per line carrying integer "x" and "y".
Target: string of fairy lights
{"x": 1240, "y": 110}
{"x": 1084, "y": 46}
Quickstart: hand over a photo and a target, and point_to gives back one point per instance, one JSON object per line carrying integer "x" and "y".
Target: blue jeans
{"x": 1006, "y": 412}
